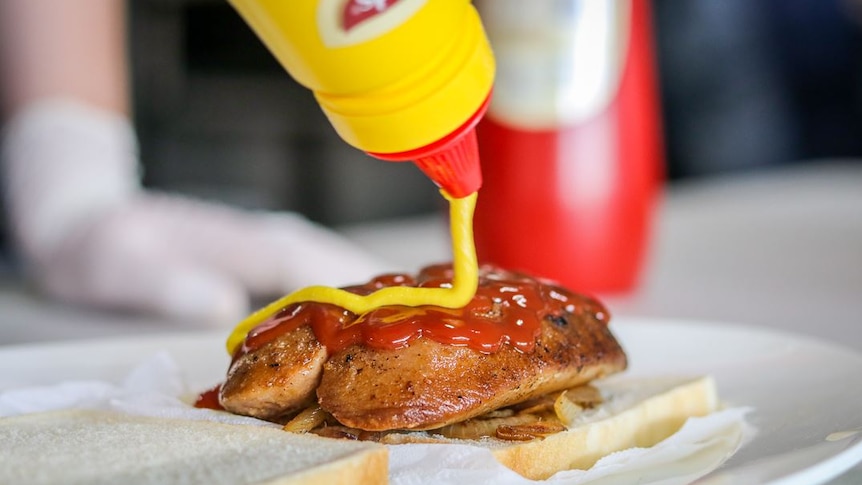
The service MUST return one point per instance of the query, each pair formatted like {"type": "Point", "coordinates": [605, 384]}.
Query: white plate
{"type": "Point", "coordinates": [806, 395]}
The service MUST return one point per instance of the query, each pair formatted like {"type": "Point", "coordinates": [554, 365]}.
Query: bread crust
{"type": "Point", "coordinates": [639, 413]}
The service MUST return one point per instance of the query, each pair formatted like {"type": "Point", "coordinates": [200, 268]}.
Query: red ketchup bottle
{"type": "Point", "coordinates": [570, 146]}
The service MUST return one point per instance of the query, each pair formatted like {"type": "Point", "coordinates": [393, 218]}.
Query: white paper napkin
{"type": "Point", "coordinates": [156, 388]}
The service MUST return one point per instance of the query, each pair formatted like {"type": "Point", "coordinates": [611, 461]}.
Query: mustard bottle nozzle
{"type": "Point", "coordinates": [452, 162]}
{"type": "Point", "coordinates": [455, 168]}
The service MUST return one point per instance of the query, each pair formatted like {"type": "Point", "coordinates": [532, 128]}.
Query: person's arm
{"type": "Point", "coordinates": [86, 231]}
{"type": "Point", "coordinates": [51, 49]}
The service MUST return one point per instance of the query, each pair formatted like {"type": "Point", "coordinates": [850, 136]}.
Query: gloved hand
{"type": "Point", "coordinates": [90, 234]}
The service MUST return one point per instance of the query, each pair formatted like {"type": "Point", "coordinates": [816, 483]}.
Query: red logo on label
{"type": "Point", "coordinates": [358, 11]}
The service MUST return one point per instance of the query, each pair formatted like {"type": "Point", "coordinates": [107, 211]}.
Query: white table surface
{"type": "Point", "coordinates": [781, 249]}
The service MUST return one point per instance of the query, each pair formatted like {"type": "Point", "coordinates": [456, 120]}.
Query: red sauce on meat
{"type": "Point", "coordinates": [507, 310]}
{"type": "Point", "coordinates": [209, 399]}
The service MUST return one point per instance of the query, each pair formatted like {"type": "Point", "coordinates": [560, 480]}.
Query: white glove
{"type": "Point", "coordinates": [89, 234]}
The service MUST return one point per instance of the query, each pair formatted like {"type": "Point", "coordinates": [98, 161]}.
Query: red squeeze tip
{"type": "Point", "coordinates": [455, 167]}
{"type": "Point", "coordinates": [452, 162]}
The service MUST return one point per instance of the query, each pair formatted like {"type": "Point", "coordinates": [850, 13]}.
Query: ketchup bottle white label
{"type": "Point", "coordinates": [559, 62]}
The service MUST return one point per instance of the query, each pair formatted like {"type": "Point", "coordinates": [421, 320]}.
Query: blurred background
{"type": "Point", "coordinates": [744, 86]}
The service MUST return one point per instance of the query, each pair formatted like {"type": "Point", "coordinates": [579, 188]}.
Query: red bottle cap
{"type": "Point", "coordinates": [452, 162]}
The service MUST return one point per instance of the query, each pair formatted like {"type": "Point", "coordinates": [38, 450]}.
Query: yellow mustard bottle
{"type": "Point", "coordinates": [398, 79]}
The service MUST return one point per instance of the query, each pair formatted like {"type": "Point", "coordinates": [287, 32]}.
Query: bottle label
{"type": "Point", "coordinates": [357, 11]}
{"type": "Point", "coordinates": [559, 62]}
{"type": "Point", "coordinates": [343, 23]}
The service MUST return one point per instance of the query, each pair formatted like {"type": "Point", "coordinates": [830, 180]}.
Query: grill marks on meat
{"type": "Point", "coordinates": [429, 385]}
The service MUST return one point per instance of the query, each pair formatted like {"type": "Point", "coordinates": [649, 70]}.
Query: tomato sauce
{"type": "Point", "coordinates": [209, 399]}
{"type": "Point", "coordinates": [508, 309]}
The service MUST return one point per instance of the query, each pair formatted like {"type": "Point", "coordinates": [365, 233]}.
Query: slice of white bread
{"type": "Point", "coordinates": [72, 447]}
{"type": "Point", "coordinates": [94, 447]}
{"type": "Point", "coordinates": [636, 412]}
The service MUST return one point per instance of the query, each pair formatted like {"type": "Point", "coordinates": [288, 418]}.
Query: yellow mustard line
{"type": "Point", "coordinates": [464, 284]}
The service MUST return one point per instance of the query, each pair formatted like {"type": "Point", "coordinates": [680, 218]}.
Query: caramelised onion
{"type": "Point", "coordinates": [480, 427]}
{"type": "Point", "coordinates": [308, 419]}
{"type": "Point", "coordinates": [566, 410]}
